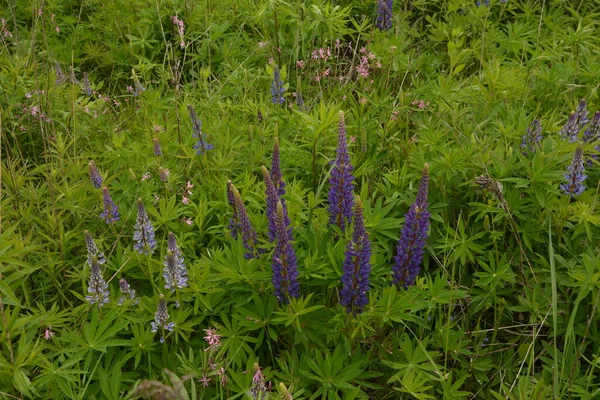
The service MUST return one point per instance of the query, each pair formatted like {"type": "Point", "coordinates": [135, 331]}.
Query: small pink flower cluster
{"type": "Point", "coordinates": [366, 59]}
{"type": "Point", "coordinates": [180, 28]}
{"type": "Point", "coordinates": [5, 32]}
{"type": "Point", "coordinates": [420, 103]}
{"type": "Point", "coordinates": [56, 28]}
{"type": "Point", "coordinates": [214, 368]}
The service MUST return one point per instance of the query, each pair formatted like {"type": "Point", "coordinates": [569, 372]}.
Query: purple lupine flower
{"type": "Point", "coordinates": [234, 224]}
{"type": "Point", "coordinates": [577, 120]}
{"type": "Point", "coordinates": [485, 3]}
{"type": "Point", "coordinates": [97, 288]}
{"type": "Point", "coordinates": [161, 317]}
{"type": "Point", "coordinates": [591, 135]}
{"type": "Point", "coordinates": [60, 75]}
{"type": "Point", "coordinates": [533, 136]}
{"type": "Point", "coordinates": [144, 231]}
{"type": "Point", "coordinates": [157, 149]}
{"type": "Point", "coordinates": [111, 211]}
{"type": "Point", "coordinates": [357, 267]}
{"type": "Point", "coordinates": [95, 176]}
{"type": "Point", "coordinates": [241, 223]}
{"type": "Point", "coordinates": [201, 145]}
{"type": "Point", "coordinates": [272, 198]}
{"type": "Point", "coordinates": [341, 198]}
{"type": "Point", "coordinates": [276, 175]}
{"type": "Point", "coordinates": [285, 264]}
{"type": "Point", "coordinates": [575, 176]}
{"type": "Point", "coordinates": [92, 249]}
{"type": "Point", "coordinates": [175, 271]}
{"type": "Point", "coordinates": [86, 85]}
{"type": "Point", "coordinates": [411, 245]}
{"type": "Point", "coordinates": [277, 88]}
{"type": "Point", "coordinates": [127, 293]}
{"type": "Point", "coordinates": [384, 14]}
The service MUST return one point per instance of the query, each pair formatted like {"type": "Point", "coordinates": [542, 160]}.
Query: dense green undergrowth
{"type": "Point", "coordinates": [506, 303]}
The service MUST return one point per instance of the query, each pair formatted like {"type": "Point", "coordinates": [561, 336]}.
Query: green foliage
{"type": "Point", "coordinates": [507, 303]}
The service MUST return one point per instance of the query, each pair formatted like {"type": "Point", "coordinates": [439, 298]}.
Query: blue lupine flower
{"type": "Point", "coordinates": [357, 266]}
{"type": "Point", "coordinates": [97, 288]}
{"type": "Point", "coordinates": [577, 120]}
{"type": "Point", "coordinates": [95, 176]}
{"type": "Point", "coordinates": [285, 264]}
{"type": "Point", "coordinates": [341, 197]}
{"type": "Point", "coordinates": [127, 293]}
{"type": "Point", "coordinates": [533, 136]}
{"type": "Point", "coordinates": [175, 271]}
{"type": "Point", "coordinates": [240, 223]}
{"type": "Point", "coordinates": [575, 176]}
{"type": "Point", "coordinates": [591, 135]}
{"type": "Point", "coordinates": [92, 249]}
{"type": "Point", "coordinates": [201, 146]}
{"type": "Point", "coordinates": [483, 3]}
{"type": "Point", "coordinates": [384, 14]}
{"type": "Point", "coordinates": [161, 317]}
{"type": "Point", "coordinates": [144, 231]}
{"type": "Point", "coordinates": [411, 245]}
{"type": "Point", "coordinates": [277, 88]}
{"type": "Point", "coordinates": [111, 211]}
{"type": "Point", "coordinates": [86, 85]}
{"type": "Point", "coordinates": [276, 175]}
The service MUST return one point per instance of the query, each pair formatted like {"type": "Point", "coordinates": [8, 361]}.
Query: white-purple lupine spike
{"type": "Point", "coordinates": [95, 176]}
{"type": "Point", "coordinates": [143, 235]}
{"type": "Point", "coordinates": [575, 176]}
{"type": "Point", "coordinates": [92, 249]}
{"type": "Point", "coordinates": [111, 211]}
{"type": "Point", "coordinates": [97, 287]}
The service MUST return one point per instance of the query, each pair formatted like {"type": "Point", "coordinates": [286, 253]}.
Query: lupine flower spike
{"type": "Point", "coordinates": [285, 264]}
{"type": "Point", "coordinates": [411, 245]}
{"type": "Point", "coordinates": [357, 267]}
{"type": "Point", "coordinates": [240, 222]}
{"type": "Point", "coordinates": [92, 249]}
{"type": "Point", "coordinates": [175, 271]}
{"type": "Point", "coordinates": [138, 88]}
{"type": "Point", "coordinates": [533, 136]}
{"type": "Point", "coordinates": [575, 176]}
{"type": "Point", "coordinates": [144, 231]}
{"type": "Point", "coordinates": [86, 85]}
{"type": "Point", "coordinates": [277, 88]}
{"type": "Point", "coordinates": [276, 174]}
{"type": "Point", "coordinates": [111, 211]}
{"type": "Point", "coordinates": [258, 390]}
{"type": "Point", "coordinates": [201, 145]}
{"type": "Point", "coordinates": [591, 135]}
{"type": "Point", "coordinates": [272, 199]}
{"type": "Point", "coordinates": [157, 149]}
{"type": "Point", "coordinates": [384, 14]}
{"type": "Point", "coordinates": [95, 176]}
{"type": "Point", "coordinates": [161, 317]}
{"type": "Point", "coordinates": [127, 293]}
{"type": "Point", "coordinates": [97, 288]}
{"type": "Point", "coordinates": [577, 120]}
{"type": "Point", "coordinates": [341, 198]}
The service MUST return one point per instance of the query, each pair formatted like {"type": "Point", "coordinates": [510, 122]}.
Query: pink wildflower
{"type": "Point", "coordinates": [185, 200]}
{"type": "Point", "coordinates": [146, 176]}
{"type": "Point", "coordinates": [48, 333]}
{"type": "Point", "coordinates": [205, 380]}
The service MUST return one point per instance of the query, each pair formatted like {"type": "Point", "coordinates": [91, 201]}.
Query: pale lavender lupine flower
{"type": "Point", "coordinates": [157, 149]}
{"type": "Point", "coordinates": [127, 293]}
{"type": "Point", "coordinates": [144, 231]}
{"type": "Point", "coordinates": [97, 287]}
{"type": "Point", "coordinates": [160, 319]}
{"type": "Point", "coordinates": [92, 249]}
{"type": "Point", "coordinates": [201, 146]}
{"type": "Point", "coordinates": [575, 176]}
{"type": "Point", "coordinates": [95, 176]}
{"type": "Point", "coordinates": [111, 211]}
{"type": "Point", "coordinates": [175, 271]}
{"type": "Point", "coordinates": [277, 87]}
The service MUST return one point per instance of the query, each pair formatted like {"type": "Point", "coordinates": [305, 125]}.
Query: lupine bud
{"type": "Point", "coordinates": [277, 88]}
{"type": "Point", "coordinates": [157, 149]}
{"type": "Point", "coordinates": [139, 89]}
{"type": "Point", "coordinates": [276, 175]}
{"type": "Point", "coordinates": [357, 267]}
{"type": "Point", "coordinates": [285, 264]}
{"type": "Point", "coordinates": [144, 231]}
{"type": "Point", "coordinates": [272, 198]}
{"type": "Point", "coordinates": [111, 211]}
{"type": "Point", "coordinates": [411, 245]}
{"type": "Point", "coordinates": [97, 288]}
{"type": "Point", "coordinates": [341, 198]}
{"type": "Point", "coordinates": [163, 174]}
{"type": "Point", "coordinates": [201, 145]}
{"type": "Point", "coordinates": [95, 176]}
{"type": "Point", "coordinates": [575, 176]}
{"type": "Point", "coordinates": [240, 223]}
{"type": "Point", "coordinates": [86, 85]}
